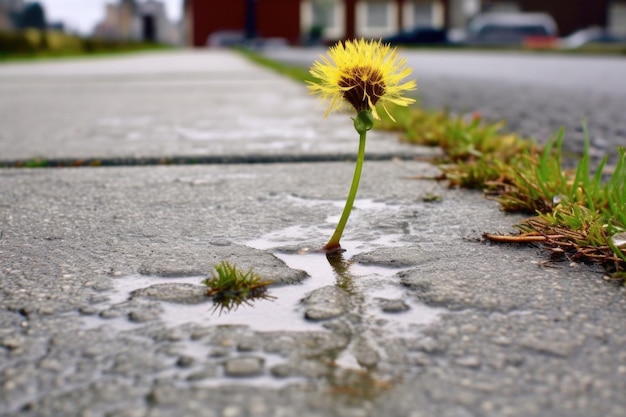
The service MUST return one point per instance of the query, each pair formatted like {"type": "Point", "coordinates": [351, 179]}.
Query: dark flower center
{"type": "Point", "coordinates": [362, 83]}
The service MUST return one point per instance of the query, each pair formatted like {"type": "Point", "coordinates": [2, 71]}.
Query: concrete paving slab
{"type": "Point", "coordinates": [209, 106]}
{"type": "Point", "coordinates": [488, 331]}
{"type": "Point", "coordinates": [102, 311]}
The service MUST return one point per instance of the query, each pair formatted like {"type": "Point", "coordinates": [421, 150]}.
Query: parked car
{"type": "Point", "coordinates": [226, 38]}
{"type": "Point", "coordinates": [419, 35]}
{"type": "Point", "coordinates": [591, 36]}
{"type": "Point", "coordinates": [509, 28]}
{"type": "Point", "coordinates": [233, 38]}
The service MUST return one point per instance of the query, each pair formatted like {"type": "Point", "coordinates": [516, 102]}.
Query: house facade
{"type": "Point", "coordinates": [570, 15]}
{"type": "Point", "coordinates": [299, 20]}
{"type": "Point", "coordinates": [295, 20]}
{"type": "Point", "coordinates": [138, 21]}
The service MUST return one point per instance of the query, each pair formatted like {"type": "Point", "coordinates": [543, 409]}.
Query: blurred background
{"type": "Point", "coordinates": [86, 25]}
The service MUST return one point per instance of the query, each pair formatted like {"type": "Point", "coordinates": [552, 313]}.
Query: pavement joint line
{"type": "Point", "coordinates": [197, 160]}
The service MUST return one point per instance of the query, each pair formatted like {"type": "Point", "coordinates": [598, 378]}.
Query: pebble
{"type": "Point", "coordinates": [206, 373]}
{"type": "Point", "coordinates": [326, 303]}
{"type": "Point", "coordinates": [393, 306]}
{"type": "Point", "coordinates": [142, 316]}
{"type": "Point", "coordinates": [12, 342]}
{"type": "Point", "coordinates": [110, 314]}
{"type": "Point", "coordinates": [244, 366]}
{"type": "Point", "coordinates": [468, 362]}
{"type": "Point", "coordinates": [185, 361]}
{"type": "Point", "coordinates": [174, 293]}
{"type": "Point", "coordinates": [282, 370]}
{"type": "Point", "coordinates": [88, 311]}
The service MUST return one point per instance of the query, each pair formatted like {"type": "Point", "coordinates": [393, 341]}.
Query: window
{"type": "Point", "coordinates": [325, 16]}
{"type": "Point", "coordinates": [461, 11]}
{"type": "Point", "coordinates": [617, 17]}
{"type": "Point", "coordinates": [423, 13]}
{"type": "Point", "coordinates": [377, 14]}
{"type": "Point", "coordinates": [376, 18]}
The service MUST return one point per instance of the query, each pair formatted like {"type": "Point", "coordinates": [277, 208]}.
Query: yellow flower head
{"type": "Point", "coordinates": [362, 73]}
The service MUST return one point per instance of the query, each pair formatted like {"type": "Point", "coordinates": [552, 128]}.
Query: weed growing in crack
{"type": "Point", "coordinates": [230, 287]}
{"type": "Point", "coordinates": [577, 214]}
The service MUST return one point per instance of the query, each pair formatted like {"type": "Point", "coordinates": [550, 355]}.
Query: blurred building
{"type": "Point", "coordinates": [145, 21]}
{"type": "Point", "coordinates": [299, 20]}
{"type": "Point", "coordinates": [570, 15]}
{"type": "Point", "coordinates": [5, 19]}
{"type": "Point", "coordinates": [9, 13]}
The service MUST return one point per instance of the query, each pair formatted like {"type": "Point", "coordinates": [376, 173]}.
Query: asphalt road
{"type": "Point", "coordinates": [536, 94]}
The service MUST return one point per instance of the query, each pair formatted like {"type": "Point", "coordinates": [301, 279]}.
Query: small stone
{"type": "Point", "coordinates": [248, 345]}
{"type": "Point", "coordinates": [219, 352]}
{"type": "Point", "coordinates": [366, 356]}
{"type": "Point", "coordinates": [206, 373]}
{"type": "Point", "coordinates": [282, 344]}
{"type": "Point", "coordinates": [185, 361]}
{"type": "Point", "coordinates": [428, 345]}
{"type": "Point", "coordinates": [468, 329]}
{"type": "Point", "coordinates": [282, 370]}
{"type": "Point", "coordinates": [110, 314]}
{"type": "Point", "coordinates": [142, 316]}
{"type": "Point", "coordinates": [88, 311]}
{"type": "Point", "coordinates": [244, 366]}
{"type": "Point", "coordinates": [393, 306]}
{"type": "Point", "coordinates": [232, 411]}
{"type": "Point", "coordinates": [12, 342]}
{"type": "Point", "coordinates": [326, 303]}
{"type": "Point", "coordinates": [201, 333]}
{"type": "Point", "coordinates": [468, 362]}
{"type": "Point", "coordinates": [46, 311]}
{"type": "Point", "coordinates": [105, 285]}
{"type": "Point", "coordinates": [174, 293]}
{"type": "Point", "coordinates": [50, 365]}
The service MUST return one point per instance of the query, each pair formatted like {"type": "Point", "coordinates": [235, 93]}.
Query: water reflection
{"type": "Point", "coordinates": [341, 268]}
{"type": "Point", "coordinates": [357, 385]}
{"type": "Point", "coordinates": [349, 379]}
{"type": "Point", "coordinates": [231, 301]}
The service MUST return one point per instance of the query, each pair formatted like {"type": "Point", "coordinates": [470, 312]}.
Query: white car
{"type": "Point", "coordinates": [592, 35]}
{"type": "Point", "coordinates": [508, 28]}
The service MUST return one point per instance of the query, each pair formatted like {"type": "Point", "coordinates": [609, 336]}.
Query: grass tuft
{"type": "Point", "coordinates": [230, 287]}
{"type": "Point", "coordinates": [577, 215]}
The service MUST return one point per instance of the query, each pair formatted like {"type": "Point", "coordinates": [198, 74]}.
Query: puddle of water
{"type": "Point", "coordinates": [280, 313]}
{"type": "Point", "coordinates": [359, 204]}
{"type": "Point", "coordinates": [368, 285]}
{"type": "Point", "coordinates": [284, 311]}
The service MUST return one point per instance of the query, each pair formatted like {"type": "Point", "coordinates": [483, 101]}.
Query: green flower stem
{"type": "Point", "coordinates": [363, 122]}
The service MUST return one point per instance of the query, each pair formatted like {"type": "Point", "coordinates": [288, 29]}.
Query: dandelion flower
{"type": "Point", "coordinates": [363, 74]}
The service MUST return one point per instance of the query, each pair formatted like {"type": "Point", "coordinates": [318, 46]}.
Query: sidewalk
{"type": "Point", "coordinates": [101, 312]}
{"type": "Point", "coordinates": [211, 105]}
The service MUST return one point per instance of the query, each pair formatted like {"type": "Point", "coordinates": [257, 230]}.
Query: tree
{"type": "Point", "coordinates": [33, 16]}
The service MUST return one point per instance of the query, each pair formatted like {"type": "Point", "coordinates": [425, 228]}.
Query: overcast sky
{"type": "Point", "coordinates": [82, 15]}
